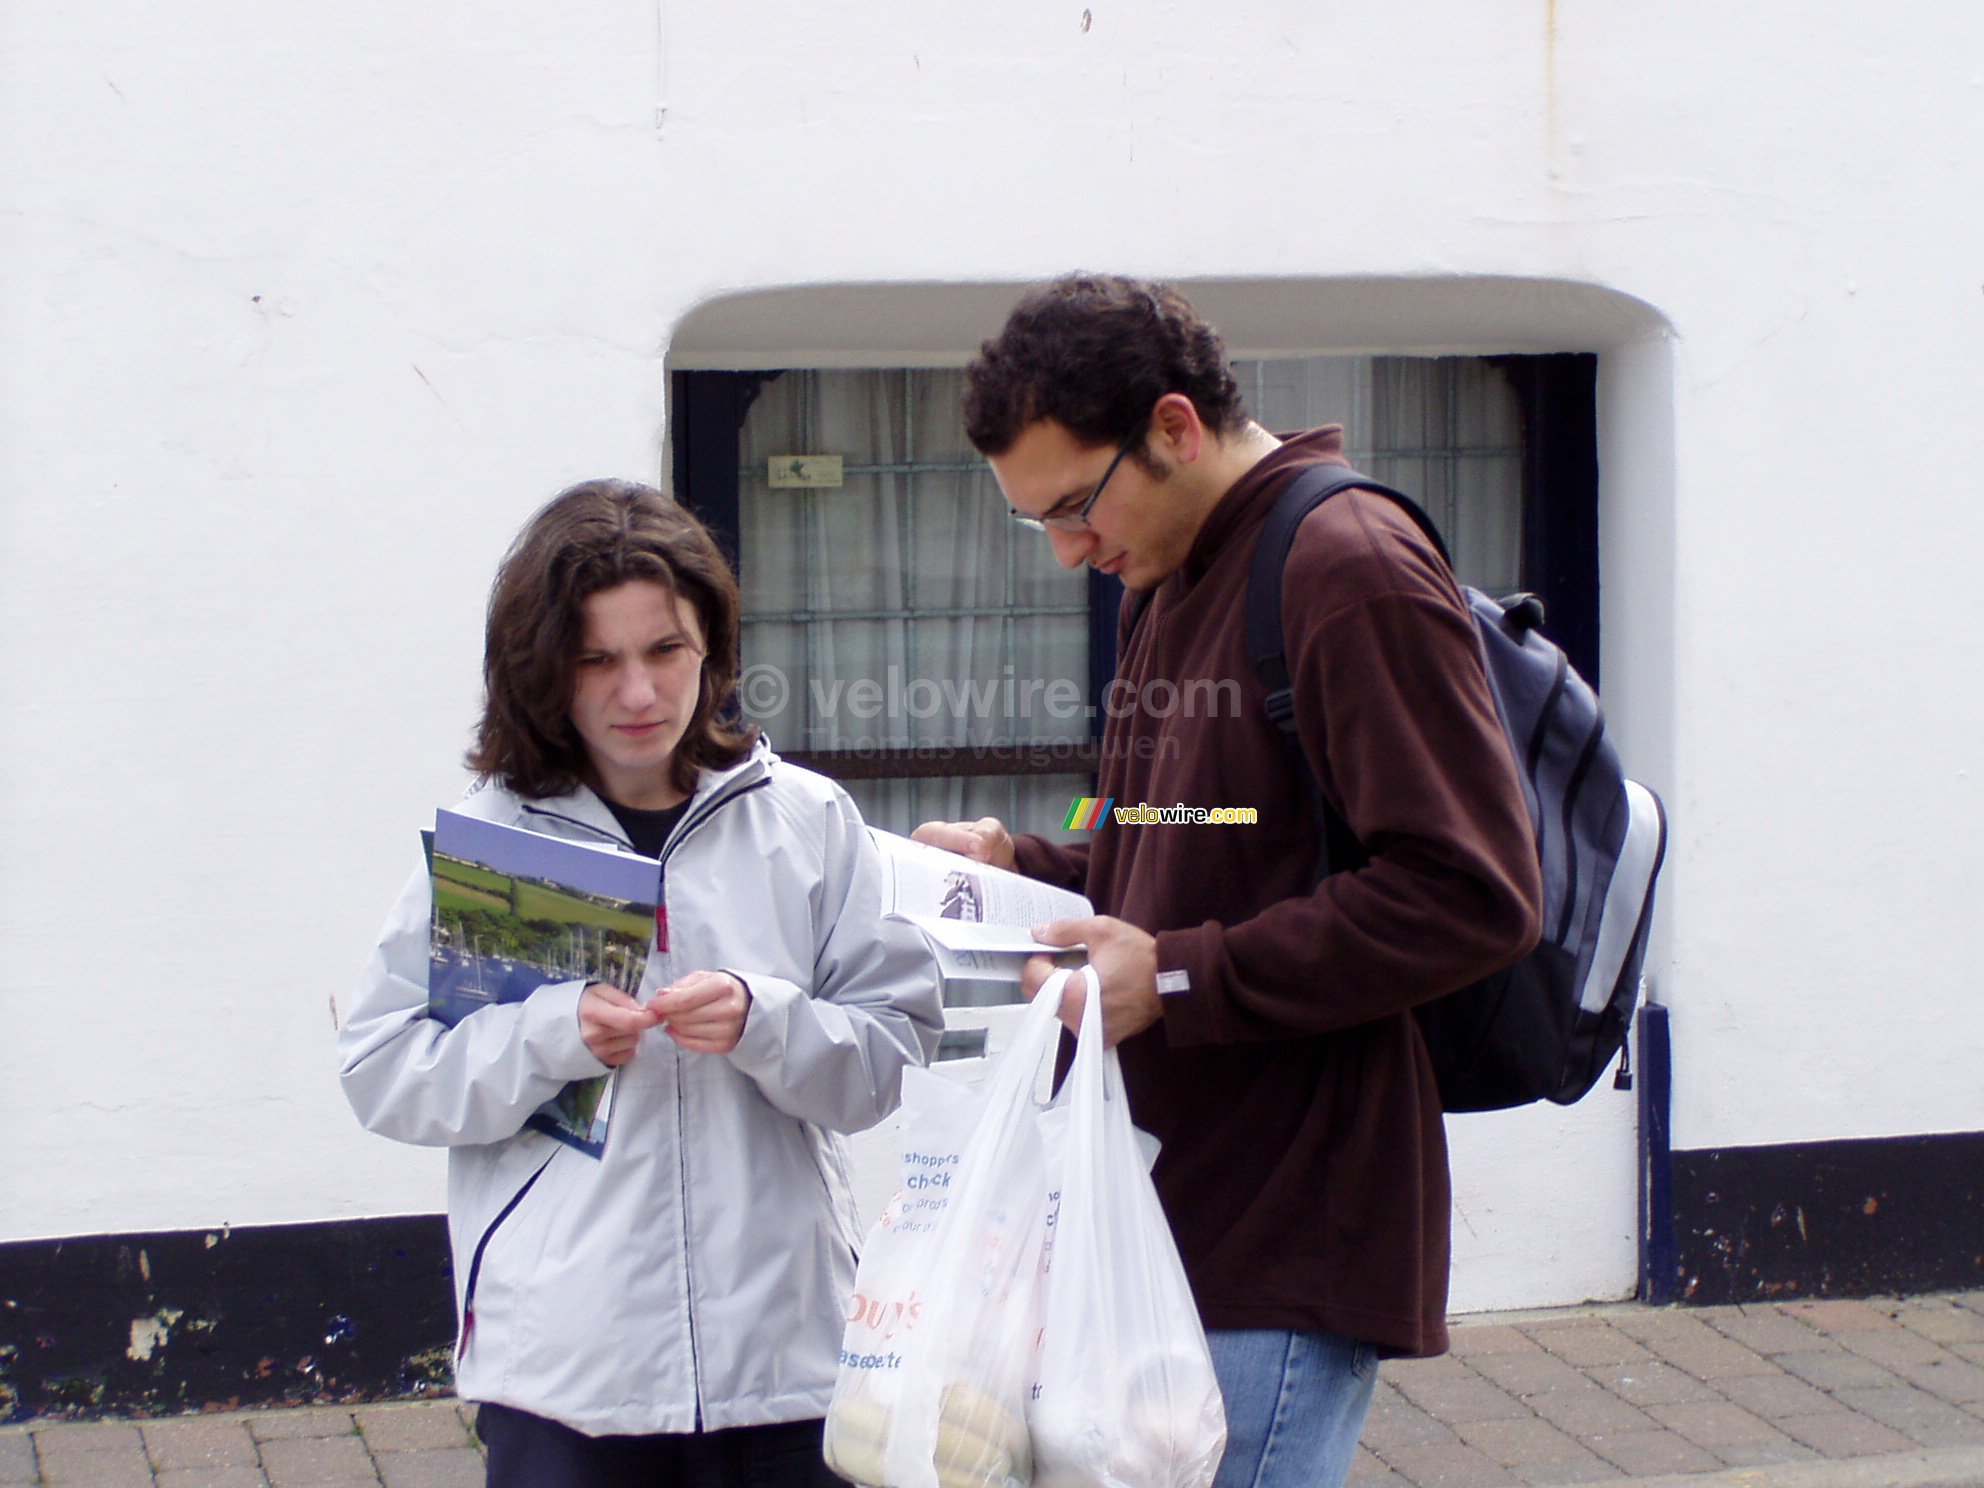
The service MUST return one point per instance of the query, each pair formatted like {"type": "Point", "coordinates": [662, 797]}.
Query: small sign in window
{"type": "Point", "coordinates": [792, 472]}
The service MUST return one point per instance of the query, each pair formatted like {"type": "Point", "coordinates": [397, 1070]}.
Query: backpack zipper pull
{"type": "Point", "coordinates": [1623, 1080]}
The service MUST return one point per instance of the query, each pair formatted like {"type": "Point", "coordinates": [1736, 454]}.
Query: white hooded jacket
{"type": "Point", "coordinates": [694, 1275]}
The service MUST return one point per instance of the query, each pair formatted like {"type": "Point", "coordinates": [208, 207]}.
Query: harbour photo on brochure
{"type": "Point", "coordinates": [517, 910]}
{"type": "Point", "coordinates": [497, 938]}
{"type": "Point", "coordinates": [511, 916]}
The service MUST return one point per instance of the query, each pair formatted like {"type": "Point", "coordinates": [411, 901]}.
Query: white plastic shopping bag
{"type": "Point", "coordinates": [1126, 1395]}
{"type": "Point", "coordinates": [943, 1329]}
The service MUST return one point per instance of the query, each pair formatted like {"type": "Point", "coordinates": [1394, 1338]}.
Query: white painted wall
{"type": "Point", "coordinates": [244, 541]}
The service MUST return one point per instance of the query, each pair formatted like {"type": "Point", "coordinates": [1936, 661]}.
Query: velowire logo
{"type": "Point", "coordinates": [1087, 813]}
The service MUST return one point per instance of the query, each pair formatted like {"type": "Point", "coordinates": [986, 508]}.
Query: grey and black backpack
{"type": "Point", "coordinates": [1546, 1027]}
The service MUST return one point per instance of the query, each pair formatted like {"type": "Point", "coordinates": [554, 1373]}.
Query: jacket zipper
{"type": "Point", "coordinates": [475, 1262]}
{"type": "Point", "coordinates": [682, 829]}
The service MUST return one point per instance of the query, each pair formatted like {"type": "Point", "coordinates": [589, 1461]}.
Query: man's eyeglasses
{"type": "Point", "coordinates": [1077, 520]}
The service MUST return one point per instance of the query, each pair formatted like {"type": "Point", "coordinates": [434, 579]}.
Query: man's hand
{"type": "Point", "coordinates": [611, 1023]}
{"type": "Point", "coordinates": [704, 1011]}
{"type": "Point", "coordinates": [1125, 961]}
{"type": "Point", "coordinates": [983, 841]}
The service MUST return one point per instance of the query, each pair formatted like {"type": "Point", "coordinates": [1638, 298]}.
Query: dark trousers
{"type": "Point", "coordinates": [527, 1451]}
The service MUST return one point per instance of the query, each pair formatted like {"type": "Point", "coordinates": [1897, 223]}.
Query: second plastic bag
{"type": "Point", "coordinates": [1126, 1395]}
{"type": "Point", "coordinates": [937, 1358]}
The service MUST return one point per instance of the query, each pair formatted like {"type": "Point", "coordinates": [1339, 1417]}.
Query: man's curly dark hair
{"type": "Point", "coordinates": [1095, 353]}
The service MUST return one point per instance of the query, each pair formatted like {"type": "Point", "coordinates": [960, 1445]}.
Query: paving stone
{"type": "Point", "coordinates": [1955, 1380]}
{"type": "Point", "coordinates": [1649, 1382]}
{"type": "Point", "coordinates": [99, 1454]}
{"type": "Point", "coordinates": [103, 1470]}
{"type": "Point", "coordinates": [1585, 1344]}
{"type": "Point", "coordinates": [212, 1477]}
{"type": "Point", "coordinates": [1764, 1454]}
{"type": "Point", "coordinates": [1444, 1367]}
{"type": "Point", "coordinates": [1895, 1348]}
{"type": "Point", "coordinates": [16, 1457]}
{"type": "Point", "coordinates": [199, 1442]}
{"type": "Point", "coordinates": [1844, 1434]}
{"type": "Point", "coordinates": [1916, 1413]}
{"type": "Point", "coordinates": [1448, 1467]}
{"type": "Point", "coordinates": [289, 1424]}
{"type": "Point", "coordinates": [455, 1467]}
{"type": "Point", "coordinates": [1840, 1316]}
{"type": "Point", "coordinates": [306, 1462]}
{"type": "Point", "coordinates": [1840, 1371]}
{"type": "Point", "coordinates": [1366, 1471]}
{"type": "Point", "coordinates": [411, 1427]}
{"type": "Point", "coordinates": [1717, 1315]}
{"type": "Point", "coordinates": [1460, 1400]}
{"type": "Point", "coordinates": [66, 1438]}
{"type": "Point", "coordinates": [1589, 1412]}
{"type": "Point", "coordinates": [1586, 1467]}
{"type": "Point", "coordinates": [1710, 1356]}
{"type": "Point", "coordinates": [1653, 1454]}
{"type": "Point", "coordinates": [1974, 1352]}
{"type": "Point", "coordinates": [1394, 1421]}
{"type": "Point", "coordinates": [1660, 1322]}
{"type": "Point", "coordinates": [1941, 1322]}
{"type": "Point", "coordinates": [1490, 1338]}
{"type": "Point", "coordinates": [1528, 1374]}
{"type": "Point", "coordinates": [1714, 1423]}
{"type": "Point", "coordinates": [1765, 1330]}
{"type": "Point", "coordinates": [1773, 1395]}
{"type": "Point", "coordinates": [1522, 1442]}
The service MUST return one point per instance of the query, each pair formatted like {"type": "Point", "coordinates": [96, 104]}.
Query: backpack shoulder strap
{"type": "Point", "coordinates": [1267, 648]}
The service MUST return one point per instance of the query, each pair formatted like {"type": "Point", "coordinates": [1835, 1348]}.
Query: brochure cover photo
{"type": "Point", "coordinates": [517, 910]}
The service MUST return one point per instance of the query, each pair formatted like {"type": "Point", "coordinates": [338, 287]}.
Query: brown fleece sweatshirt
{"type": "Point", "coordinates": [1304, 1164]}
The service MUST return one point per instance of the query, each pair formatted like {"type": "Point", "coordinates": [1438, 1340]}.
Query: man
{"type": "Point", "coordinates": [1264, 1018]}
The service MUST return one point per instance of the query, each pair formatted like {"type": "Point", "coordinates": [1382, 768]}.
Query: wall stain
{"type": "Point", "coordinates": [1829, 1219]}
{"type": "Point", "coordinates": [153, 1324]}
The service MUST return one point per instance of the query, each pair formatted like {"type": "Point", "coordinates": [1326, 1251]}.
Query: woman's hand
{"type": "Point", "coordinates": [704, 1011]}
{"type": "Point", "coordinates": [611, 1023]}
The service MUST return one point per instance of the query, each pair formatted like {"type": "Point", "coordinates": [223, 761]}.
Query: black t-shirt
{"type": "Point", "coordinates": [647, 830]}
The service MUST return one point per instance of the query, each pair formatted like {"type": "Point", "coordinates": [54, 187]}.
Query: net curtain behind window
{"type": "Point", "coordinates": [903, 608]}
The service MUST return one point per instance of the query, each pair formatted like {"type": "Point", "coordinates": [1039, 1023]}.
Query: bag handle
{"type": "Point", "coordinates": [1037, 1038]}
{"type": "Point", "coordinates": [1096, 1071]}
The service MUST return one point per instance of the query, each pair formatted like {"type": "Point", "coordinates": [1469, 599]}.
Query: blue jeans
{"type": "Point", "coordinates": [1295, 1403]}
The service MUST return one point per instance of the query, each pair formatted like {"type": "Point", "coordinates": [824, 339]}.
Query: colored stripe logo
{"type": "Point", "coordinates": [1087, 813]}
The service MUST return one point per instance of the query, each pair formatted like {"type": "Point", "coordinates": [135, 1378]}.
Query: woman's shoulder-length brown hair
{"type": "Point", "coordinates": [593, 537]}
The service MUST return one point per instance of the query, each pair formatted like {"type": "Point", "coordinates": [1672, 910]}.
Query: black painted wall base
{"type": "Point", "coordinates": [1829, 1219]}
{"type": "Point", "coordinates": [178, 1320]}
{"type": "Point", "coordinates": [361, 1309]}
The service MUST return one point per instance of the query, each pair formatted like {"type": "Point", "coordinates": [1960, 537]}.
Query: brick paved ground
{"type": "Point", "coordinates": [415, 1444]}
{"type": "Point", "coordinates": [1623, 1391]}
{"type": "Point", "coordinates": [1569, 1396]}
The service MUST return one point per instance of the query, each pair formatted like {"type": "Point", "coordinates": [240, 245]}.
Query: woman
{"type": "Point", "coordinates": [669, 1312]}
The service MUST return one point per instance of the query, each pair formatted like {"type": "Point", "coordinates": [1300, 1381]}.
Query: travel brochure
{"type": "Point", "coordinates": [516, 910]}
